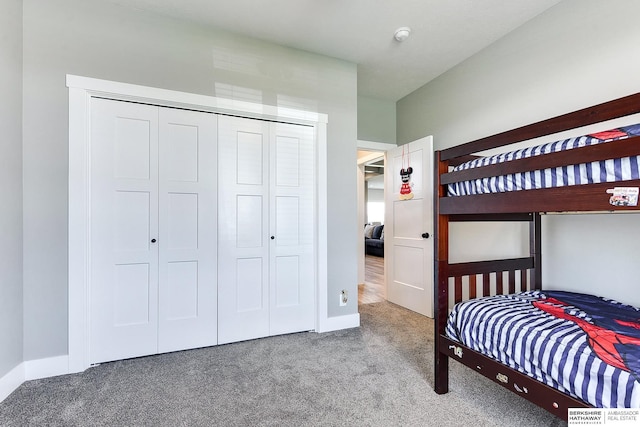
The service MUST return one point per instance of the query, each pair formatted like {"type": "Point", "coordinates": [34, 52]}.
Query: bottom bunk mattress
{"type": "Point", "coordinates": [582, 345]}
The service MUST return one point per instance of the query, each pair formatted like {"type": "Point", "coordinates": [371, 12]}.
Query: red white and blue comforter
{"type": "Point", "coordinates": [586, 173]}
{"type": "Point", "coordinates": [583, 345]}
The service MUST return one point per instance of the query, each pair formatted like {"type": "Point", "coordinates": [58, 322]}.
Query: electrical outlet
{"type": "Point", "coordinates": [344, 296]}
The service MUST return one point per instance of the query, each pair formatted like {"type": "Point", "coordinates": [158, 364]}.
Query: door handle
{"type": "Point", "coordinates": [425, 235]}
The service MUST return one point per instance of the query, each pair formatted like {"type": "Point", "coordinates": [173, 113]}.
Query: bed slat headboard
{"type": "Point", "coordinates": [487, 284]}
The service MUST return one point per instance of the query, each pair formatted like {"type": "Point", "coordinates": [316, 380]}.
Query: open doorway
{"type": "Point", "coordinates": [371, 274]}
{"type": "Point", "coordinates": [404, 273]}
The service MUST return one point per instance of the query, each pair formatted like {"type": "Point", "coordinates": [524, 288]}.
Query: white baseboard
{"type": "Point", "coordinates": [32, 370]}
{"type": "Point", "coordinates": [11, 381]}
{"type": "Point", "coordinates": [44, 368]}
{"type": "Point", "coordinates": [339, 322]}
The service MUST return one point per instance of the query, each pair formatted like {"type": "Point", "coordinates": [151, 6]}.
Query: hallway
{"type": "Point", "coordinates": [373, 289]}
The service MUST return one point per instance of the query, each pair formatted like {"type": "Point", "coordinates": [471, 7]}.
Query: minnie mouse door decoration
{"type": "Point", "coordinates": [405, 175]}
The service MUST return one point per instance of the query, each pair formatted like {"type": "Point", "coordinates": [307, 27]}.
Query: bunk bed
{"type": "Point", "coordinates": [474, 187]}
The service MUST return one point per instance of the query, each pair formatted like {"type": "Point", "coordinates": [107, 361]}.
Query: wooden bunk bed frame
{"type": "Point", "coordinates": [524, 205]}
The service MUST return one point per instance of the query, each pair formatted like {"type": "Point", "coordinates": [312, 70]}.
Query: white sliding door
{"type": "Point", "coordinates": [153, 230]}
{"type": "Point", "coordinates": [265, 229]}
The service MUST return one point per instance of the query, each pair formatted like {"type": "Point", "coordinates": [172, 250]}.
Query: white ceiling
{"type": "Point", "coordinates": [444, 32]}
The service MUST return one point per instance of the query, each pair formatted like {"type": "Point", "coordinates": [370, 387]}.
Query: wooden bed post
{"type": "Point", "coordinates": [535, 251]}
{"type": "Point", "coordinates": [441, 267]}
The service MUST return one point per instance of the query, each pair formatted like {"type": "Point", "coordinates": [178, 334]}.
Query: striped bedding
{"type": "Point", "coordinates": [587, 173]}
{"type": "Point", "coordinates": [582, 345]}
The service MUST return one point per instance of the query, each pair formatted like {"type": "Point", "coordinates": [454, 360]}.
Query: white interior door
{"type": "Point", "coordinates": [266, 229]}
{"type": "Point", "coordinates": [153, 230]}
{"type": "Point", "coordinates": [124, 230]}
{"type": "Point", "coordinates": [188, 228]}
{"type": "Point", "coordinates": [408, 216]}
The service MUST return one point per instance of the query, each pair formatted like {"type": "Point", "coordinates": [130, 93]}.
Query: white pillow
{"type": "Point", "coordinates": [368, 230]}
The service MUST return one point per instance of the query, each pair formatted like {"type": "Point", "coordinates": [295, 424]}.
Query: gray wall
{"type": "Point", "coordinates": [578, 53]}
{"type": "Point", "coordinates": [10, 185]}
{"type": "Point", "coordinates": [97, 39]}
{"type": "Point", "coordinates": [376, 120]}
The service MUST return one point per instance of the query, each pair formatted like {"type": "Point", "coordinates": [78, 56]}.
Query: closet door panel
{"type": "Point", "coordinates": [132, 143]}
{"type": "Point", "coordinates": [250, 288]}
{"type": "Point", "coordinates": [187, 240]}
{"type": "Point", "coordinates": [132, 214]}
{"type": "Point", "coordinates": [292, 196]}
{"type": "Point", "coordinates": [182, 220]}
{"type": "Point", "coordinates": [182, 290]}
{"type": "Point", "coordinates": [124, 219]}
{"type": "Point", "coordinates": [131, 293]}
{"type": "Point", "coordinates": [250, 150]}
{"type": "Point", "coordinates": [182, 144]}
{"type": "Point", "coordinates": [287, 282]}
{"type": "Point", "coordinates": [287, 220]}
{"type": "Point", "coordinates": [243, 224]}
{"type": "Point", "coordinates": [249, 222]}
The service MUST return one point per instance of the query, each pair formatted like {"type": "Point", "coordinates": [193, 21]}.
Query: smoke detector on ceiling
{"type": "Point", "coordinates": [402, 34]}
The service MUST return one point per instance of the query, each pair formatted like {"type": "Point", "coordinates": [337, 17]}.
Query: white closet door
{"type": "Point", "coordinates": [266, 229]}
{"type": "Point", "coordinates": [243, 229]}
{"type": "Point", "coordinates": [153, 230]}
{"type": "Point", "coordinates": [187, 239]}
{"type": "Point", "coordinates": [124, 222]}
{"type": "Point", "coordinates": [292, 224]}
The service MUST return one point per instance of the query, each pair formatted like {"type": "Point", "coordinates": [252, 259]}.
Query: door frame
{"type": "Point", "coordinates": [81, 90]}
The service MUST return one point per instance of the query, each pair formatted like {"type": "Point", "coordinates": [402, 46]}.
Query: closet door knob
{"type": "Point", "coordinates": [425, 235]}
{"type": "Point", "coordinates": [153, 240]}
{"type": "Point", "coordinates": [273, 237]}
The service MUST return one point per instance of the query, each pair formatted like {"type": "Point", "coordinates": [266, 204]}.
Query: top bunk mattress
{"type": "Point", "coordinates": [612, 170]}
{"type": "Point", "coordinates": [582, 345]}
